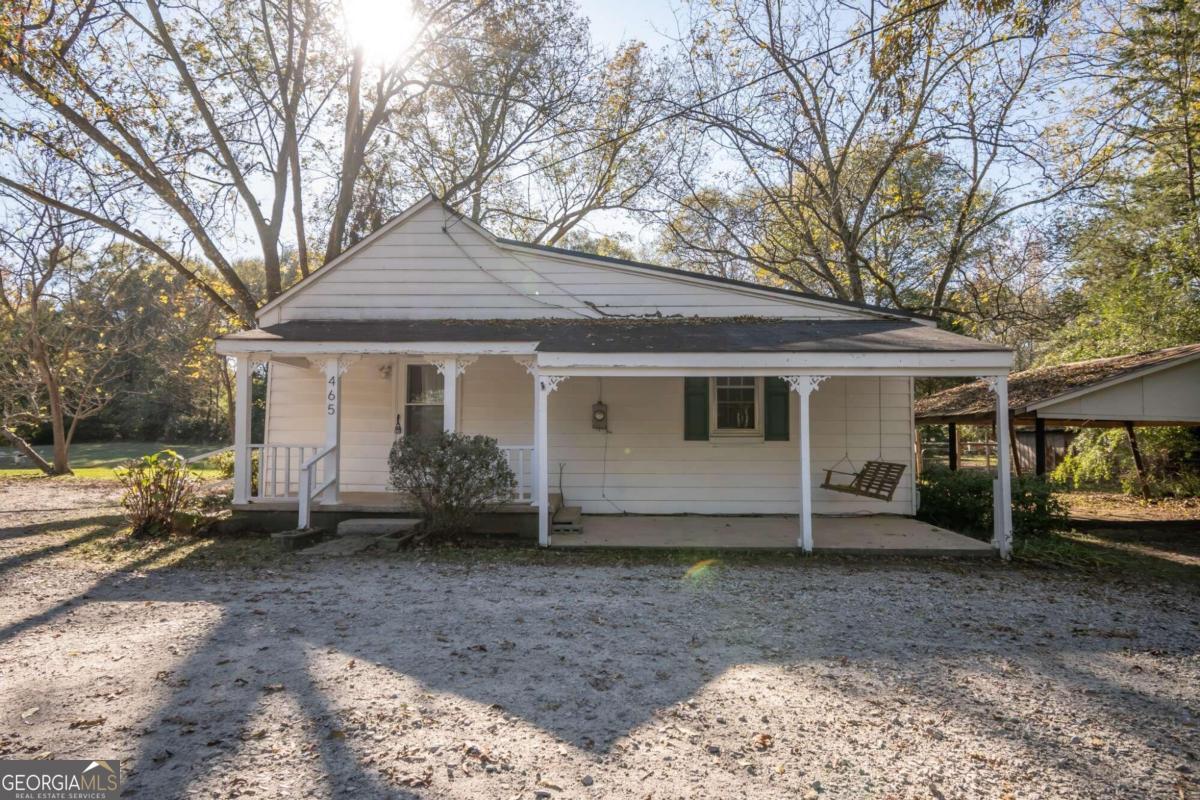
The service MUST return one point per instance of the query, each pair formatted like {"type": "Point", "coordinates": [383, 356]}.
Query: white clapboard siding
{"type": "Point", "coordinates": [418, 271]}
{"type": "Point", "coordinates": [368, 418]}
{"type": "Point", "coordinates": [643, 465]}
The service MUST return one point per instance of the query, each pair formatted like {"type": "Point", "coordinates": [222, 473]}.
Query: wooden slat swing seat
{"type": "Point", "coordinates": [877, 480]}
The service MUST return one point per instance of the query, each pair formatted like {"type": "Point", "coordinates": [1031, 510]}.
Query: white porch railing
{"type": "Point", "coordinates": [278, 468]}
{"type": "Point", "coordinates": [311, 486]}
{"type": "Point", "coordinates": [202, 457]}
{"type": "Point", "coordinates": [520, 461]}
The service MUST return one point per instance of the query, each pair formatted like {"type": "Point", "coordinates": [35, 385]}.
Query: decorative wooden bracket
{"type": "Point", "coordinates": [441, 363]}
{"type": "Point", "coordinates": [804, 384]}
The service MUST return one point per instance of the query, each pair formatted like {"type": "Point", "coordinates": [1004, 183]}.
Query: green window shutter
{"type": "Point", "coordinates": [776, 409]}
{"type": "Point", "coordinates": [695, 409]}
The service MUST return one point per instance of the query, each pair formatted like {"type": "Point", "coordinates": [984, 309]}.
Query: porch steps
{"type": "Point", "coordinates": [376, 527]}
{"type": "Point", "coordinates": [568, 519]}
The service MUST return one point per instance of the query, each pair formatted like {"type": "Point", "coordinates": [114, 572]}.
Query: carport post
{"type": "Point", "coordinates": [1002, 487]}
{"type": "Point", "coordinates": [1039, 445]}
{"type": "Point", "coordinates": [952, 444]}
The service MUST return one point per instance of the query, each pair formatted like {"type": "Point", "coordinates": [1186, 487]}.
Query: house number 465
{"type": "Point", "coordinates": [331, 407]}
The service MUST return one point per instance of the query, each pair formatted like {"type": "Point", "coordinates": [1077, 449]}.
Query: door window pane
{"type": "Point", "coordinates": [423, 410]}
{"type": "Point", "coordinates": [425, 384]}
{"type": "Point", "coordinates": [424, 420]}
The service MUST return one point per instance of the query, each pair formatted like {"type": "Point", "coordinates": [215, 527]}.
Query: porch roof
{"type": "Point", "coordinates": [649, 335]}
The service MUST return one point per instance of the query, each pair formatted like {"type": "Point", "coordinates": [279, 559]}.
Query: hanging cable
{"type": "Point", "coordinates": [516, 291]}
{"type": "Point", "coordinates": [739, 87]}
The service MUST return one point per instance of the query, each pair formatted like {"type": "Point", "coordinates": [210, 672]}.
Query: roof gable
{"type": "Point", "coordinates": [431, 263]}
{"type": "Point", "coordinates": [1042, 387]}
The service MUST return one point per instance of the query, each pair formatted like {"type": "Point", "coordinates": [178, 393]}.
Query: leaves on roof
{"type": "Point", "coordinates": [1043, 383]}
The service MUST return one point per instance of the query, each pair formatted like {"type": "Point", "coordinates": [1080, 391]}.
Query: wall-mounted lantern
{"type": "Point", "coordinates": [600, 416]}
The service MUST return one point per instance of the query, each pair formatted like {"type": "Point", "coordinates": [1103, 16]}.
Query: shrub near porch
{"type": "Point", "coordinates": [452, 476]}
{"type": "Point", "coordinates": [961, 500]}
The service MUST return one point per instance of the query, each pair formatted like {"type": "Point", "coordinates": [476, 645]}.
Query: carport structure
{"type": "Point", "coordinates": [1158, 387]}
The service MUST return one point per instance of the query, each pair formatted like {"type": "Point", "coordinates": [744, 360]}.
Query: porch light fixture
{"type": "Point", "coordinates": [600, 416]}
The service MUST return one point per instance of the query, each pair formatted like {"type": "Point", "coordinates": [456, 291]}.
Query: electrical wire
{"type": "Point", "coordinates": [739, 87]}
{"type": "Point", "coordinates": [515, 290]}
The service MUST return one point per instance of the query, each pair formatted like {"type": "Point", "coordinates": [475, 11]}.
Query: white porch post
{"type": "Point", "coordinates": [333, 425]}
{"type": "Point", "coordinates": [535, 472]}
{"type": "Point", "coordinates": [449, 370]}
{"type": "Point", "coordinates": [803, 386]}
{"type": "Point", "coordinates": [242, 407]}
{"type": "Point", "coordinates": [530, 365]}
{"type": "Point", "coordinates": [545, 385]}
{"type": "Point", "coordinates": [1002, 526]}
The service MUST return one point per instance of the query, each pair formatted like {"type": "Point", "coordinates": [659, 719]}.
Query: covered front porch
{"type": "Point", "coordinates": [636, 472]}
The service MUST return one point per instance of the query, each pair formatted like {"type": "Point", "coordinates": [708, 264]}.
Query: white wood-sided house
{"type": "Point", "coordinates": [615, 387]}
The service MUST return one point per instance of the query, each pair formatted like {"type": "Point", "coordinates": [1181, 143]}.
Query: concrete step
{"type": "Point", "coordinates": [568, 519]}
{"type": "Point", "coordinates": [376, 527]}
{"type": "Point", "coordinates": [347, 546]}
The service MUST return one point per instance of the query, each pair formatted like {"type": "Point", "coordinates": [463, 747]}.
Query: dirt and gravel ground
{"type": "Point", "coordinates": [402, 677]}
{"type": "Point", "coordinates": [1114, 507]}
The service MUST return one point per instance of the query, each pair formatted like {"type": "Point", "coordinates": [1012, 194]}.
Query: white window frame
{"type": "Point", "coordinates": [715, 432]}
{"type": "Point", "coordinates": [400, 389]}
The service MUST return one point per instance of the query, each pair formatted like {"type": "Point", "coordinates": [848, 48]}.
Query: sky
{"type": "Point", "coordinates": [614, 21]}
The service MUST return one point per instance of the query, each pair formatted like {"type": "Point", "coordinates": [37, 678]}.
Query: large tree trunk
{"type": "Point", "coordinates": [351, 160]}
{"type": "Point", "coordinates": [24, 447]}
{"type": "Point", "coordinates": [58, 427]}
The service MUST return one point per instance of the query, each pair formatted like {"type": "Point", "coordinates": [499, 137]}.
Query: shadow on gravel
{"type": "Point", "coordinates": [100, 527]}
{"type": "Point", "coordinates": [577, 653]}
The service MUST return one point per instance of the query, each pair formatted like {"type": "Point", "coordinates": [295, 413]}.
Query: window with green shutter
{"type": "Point", "coordinates": [776, 409]}
{"type": "Point", "coordinates": [695, 409]}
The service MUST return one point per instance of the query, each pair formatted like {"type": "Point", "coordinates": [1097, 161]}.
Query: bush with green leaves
{"type": "Point", "coordinates": [224, 463]}
{"type": "Point", "coordinates": [961, 500]}
{"type": "Point", "coordinates": [157, 487]}
{"type": "Point", "coordinates": [1101, 458]}
{"type": "Point", "coordinates": [451, 476]}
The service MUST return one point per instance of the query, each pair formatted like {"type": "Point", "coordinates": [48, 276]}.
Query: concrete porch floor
{"type": "Point", "coordinates": [864, 534]}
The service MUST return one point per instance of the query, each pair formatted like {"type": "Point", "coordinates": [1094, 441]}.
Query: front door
{"type": "Point", "coordinates": [422, 390]}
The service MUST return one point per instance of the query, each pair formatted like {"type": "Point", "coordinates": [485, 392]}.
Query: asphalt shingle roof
{"type": "Point", "coordinates": [635, 335]}
{"type": "Point", "coordinates": [1034, 386]}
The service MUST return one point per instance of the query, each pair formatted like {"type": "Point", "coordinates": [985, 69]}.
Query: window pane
{"type": "Point", "coordinates": [735, 403]}
{"type": "Point", "coordinates": [424, 384]}
{"type": "Point", "coordinates": [423, 420]}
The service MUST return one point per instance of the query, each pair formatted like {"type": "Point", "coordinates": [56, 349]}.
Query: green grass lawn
{"type": "Point", "coordinates": [99, 459]}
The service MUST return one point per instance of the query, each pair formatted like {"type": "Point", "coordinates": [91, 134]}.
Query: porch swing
{"type": "Point", "coordinates": [877, 479]}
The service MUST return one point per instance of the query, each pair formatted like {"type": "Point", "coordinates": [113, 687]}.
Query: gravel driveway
{"type": "Point", "coordinates": [393, 677]}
